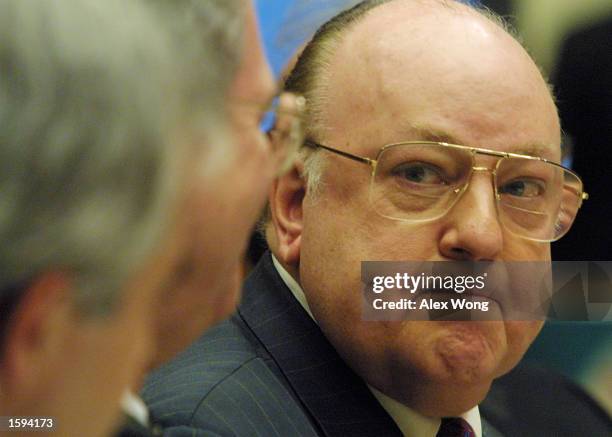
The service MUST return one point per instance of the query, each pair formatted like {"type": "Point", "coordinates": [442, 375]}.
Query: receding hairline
{"type": "Point", "coordinates": [308, 77]}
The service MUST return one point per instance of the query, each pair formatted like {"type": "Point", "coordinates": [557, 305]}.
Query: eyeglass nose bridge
{"type": "Point", "coordinates": [475, 168]}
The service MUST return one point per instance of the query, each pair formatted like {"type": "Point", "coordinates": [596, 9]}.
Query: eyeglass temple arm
{"type": "Point", "coordinates": [362, 159]}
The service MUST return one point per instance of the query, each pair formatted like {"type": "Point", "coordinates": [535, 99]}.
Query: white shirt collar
{"type": "Point", "coordinates": [292, 284]}
{"type": "Point", "coordinates": [413, 424]}
{"type": "Point", "coordinates": [135, 407]}
{"type": "Point", "coordinates": [410, 423]}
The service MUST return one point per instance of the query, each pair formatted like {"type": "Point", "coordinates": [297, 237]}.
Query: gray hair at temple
{"type": "Point", "coordinates": [87, 174]}
{"type": "Point", "coordinates": [208, 35]}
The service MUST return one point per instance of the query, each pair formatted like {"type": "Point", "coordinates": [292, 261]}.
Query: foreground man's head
{"type": "Point", "coordinates": [222, 49]}
{"type": "Point", "coordinates": [405, 71]}
{"type": "Point", "coordinates": [88, 182]}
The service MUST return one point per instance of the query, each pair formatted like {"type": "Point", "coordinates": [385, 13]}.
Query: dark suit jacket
{"type": "Point", "coordinates": [269, 371]}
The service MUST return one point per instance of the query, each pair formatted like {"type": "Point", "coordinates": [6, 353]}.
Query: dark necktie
{"type": "Point", "coordinates": [455, 427]}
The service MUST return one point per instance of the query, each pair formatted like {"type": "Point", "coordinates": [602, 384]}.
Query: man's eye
{"type": "Point", "coordinates": [419, 173]}
{"type": "Point", "coordinates": [522, 188]}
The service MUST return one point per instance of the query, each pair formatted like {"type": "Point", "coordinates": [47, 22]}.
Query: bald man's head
{"type": "Point", "coordinates": [310, 73]}
{"type": "Point", "coordinates": [369, 33]}
{"type": "Point", "coordinates": [387, 82]}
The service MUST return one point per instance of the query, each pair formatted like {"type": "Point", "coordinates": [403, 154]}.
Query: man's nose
{"type": "Point", "coordinates": [472, 230]}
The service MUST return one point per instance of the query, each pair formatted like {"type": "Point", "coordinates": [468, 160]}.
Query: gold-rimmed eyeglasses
{"type": "Point", "coordinates": [420, 181]}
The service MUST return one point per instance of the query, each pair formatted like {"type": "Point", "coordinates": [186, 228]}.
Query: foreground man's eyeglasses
{"type": "Point", "coordinates": [420, 181]}
{"type": "Point", "coordinates": [282, 122]}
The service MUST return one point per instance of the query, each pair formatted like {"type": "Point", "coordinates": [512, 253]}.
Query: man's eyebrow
{"type": "Point", "coordinates": [430, 133]}
{"type": "Point", "coordinates": [537, 150]}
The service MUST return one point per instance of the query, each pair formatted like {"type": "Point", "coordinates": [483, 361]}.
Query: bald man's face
{"type": "Point", "coordinates": [412, 71]}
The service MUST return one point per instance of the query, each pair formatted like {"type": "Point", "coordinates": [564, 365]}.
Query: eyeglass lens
{"type": "Point", "coordinates": [420, 182]}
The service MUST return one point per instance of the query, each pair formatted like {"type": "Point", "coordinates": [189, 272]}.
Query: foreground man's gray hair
{"type": "Point", "coordinates": [86, 174]}
{"type": "Point", "coordinates": [208, 36]}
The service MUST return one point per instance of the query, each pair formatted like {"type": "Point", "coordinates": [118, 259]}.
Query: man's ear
{"type": "Point", "coordinates": [35, 335]}
{"type": "Point", "coordinates": [286, 203]}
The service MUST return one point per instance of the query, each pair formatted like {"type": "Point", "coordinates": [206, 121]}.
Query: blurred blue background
{"type": "Point", "coordinates": [271, 15]}
{"type": "Point", "coordinates": [286, 24]}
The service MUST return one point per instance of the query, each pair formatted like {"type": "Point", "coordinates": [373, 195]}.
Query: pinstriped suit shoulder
{"type": "Point", "coordinates": [180, 386]}
{"type": "Point", "coordinates": [222, 385]}
{"type": "Point", "coordinates": [250, 376]}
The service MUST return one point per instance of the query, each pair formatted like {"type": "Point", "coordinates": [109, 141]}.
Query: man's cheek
{"type": "Point", "coordinates": [519, 249]}
{"type": "Point", "coordinates": [402, 241]}
{"type": "Point", "coordinates": [521, 334]}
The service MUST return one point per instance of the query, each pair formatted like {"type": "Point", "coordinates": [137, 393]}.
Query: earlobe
{"type": "Point", "coordinates": [286, 203]}
{"type": "Point", "coordinates": [35, 333]}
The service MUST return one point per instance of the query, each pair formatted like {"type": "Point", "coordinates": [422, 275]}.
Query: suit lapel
{"type": "Point", "coordinates": [488, 430]}
{"type": "Point", "coordinates": [338, 401]}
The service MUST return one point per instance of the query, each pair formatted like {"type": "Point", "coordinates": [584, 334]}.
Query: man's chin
{"type": "Point", "coordinates": [452, 374]}
{"type": "Point", "coordinates": [466, 353]}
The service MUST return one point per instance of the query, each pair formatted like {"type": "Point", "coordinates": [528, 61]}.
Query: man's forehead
{"type": "Point", "coordinates": [390, 23]}
{"type": "Point", "coordinates": [394, 48]}
{"type": "Point", "coordinates": [409, 38]}
{"type": "Point", "coordinates": [408, 73]}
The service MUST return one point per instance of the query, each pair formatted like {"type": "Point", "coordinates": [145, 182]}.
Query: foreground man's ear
{"type": "Point", "coordinates": [35, 334]}
{"type": "Point", "coordinates": [286, 203]}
